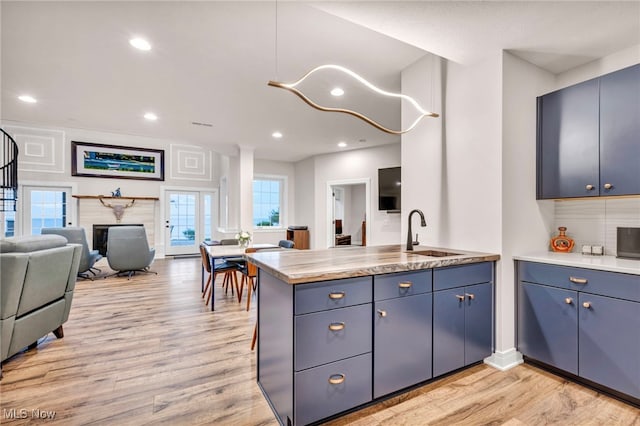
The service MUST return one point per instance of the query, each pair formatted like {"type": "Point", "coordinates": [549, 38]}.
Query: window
{"type": "Point", "coordinates": [268, 196]}
{"type": "Point", "coordinates": [47, 207]}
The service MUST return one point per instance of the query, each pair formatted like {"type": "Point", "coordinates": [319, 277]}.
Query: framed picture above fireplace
{"type": "Point", "coordinates": [112, 161]}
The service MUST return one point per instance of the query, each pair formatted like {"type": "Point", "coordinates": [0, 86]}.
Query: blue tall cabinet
{"type": "Point", "coordinates": [588, 138]}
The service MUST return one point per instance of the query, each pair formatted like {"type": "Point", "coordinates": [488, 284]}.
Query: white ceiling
{"type": "Point", "coordinates": [211, 61]}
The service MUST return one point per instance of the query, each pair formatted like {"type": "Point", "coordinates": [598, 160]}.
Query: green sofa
{"type": "Point", "coordinates": [37, 279]}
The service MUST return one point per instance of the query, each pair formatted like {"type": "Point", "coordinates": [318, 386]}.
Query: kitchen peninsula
{"type": "Point", "coordinates": [340, 328]}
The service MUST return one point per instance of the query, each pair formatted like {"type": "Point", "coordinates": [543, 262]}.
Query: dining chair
{"type": "Point", "coordinates": [229, 270]}
{"type": "Point", "coordinates": [286, 244]}
{"type": "Point", "coordinates": [249, 274]}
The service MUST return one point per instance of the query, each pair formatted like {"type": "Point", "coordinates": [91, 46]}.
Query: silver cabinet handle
{"type": "Point", "coordinates": [382, 313]}
{"type": "Point", "coordinates": [471, 296]}
{"type": "Point", "coordinates": [589, 187]}
{"type": "Point", "coordinates": [587, 305]}
{"type": "Point", "coordinates": [459, 297]}
{"type": "Point", "coordinates": [577, 280]}
{"type": "Point", "coordinates": [405, 284]}
{"type": "Point", "coordinates": [568, 301]}
{"type": "Point", "coordinates": [608, 186]}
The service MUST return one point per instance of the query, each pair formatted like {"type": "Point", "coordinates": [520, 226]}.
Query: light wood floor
{"type": "Point", "coordinates": [147, 351]}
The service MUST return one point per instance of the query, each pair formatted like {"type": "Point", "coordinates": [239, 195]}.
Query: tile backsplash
{"type": "Point", "coordinates": [594, 222]}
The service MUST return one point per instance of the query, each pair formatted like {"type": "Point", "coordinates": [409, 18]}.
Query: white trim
{"type": "Point", "coordinates": [504, 360]}
{"type": "Point", "coordinates": [329, 202]}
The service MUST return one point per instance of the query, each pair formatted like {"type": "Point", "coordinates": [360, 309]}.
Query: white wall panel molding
{"type": "Point", "coordinates": [41, 150]}
{"type": "Point", "coordinates": [190, 162]}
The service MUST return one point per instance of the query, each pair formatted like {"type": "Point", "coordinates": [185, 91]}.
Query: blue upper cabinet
{"type": "Point", "coordinates": [568, 164]}
{"type": "Point", "coordinates": [620, 132]}
{"type": "Point", "coordinates": [588, 138]}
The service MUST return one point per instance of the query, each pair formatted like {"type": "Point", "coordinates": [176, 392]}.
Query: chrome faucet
{"type": "Point", "coordinates": [409, 233]}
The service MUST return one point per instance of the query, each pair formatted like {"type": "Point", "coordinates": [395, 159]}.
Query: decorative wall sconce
{"type": "Point", "coordinates": [292, 88]}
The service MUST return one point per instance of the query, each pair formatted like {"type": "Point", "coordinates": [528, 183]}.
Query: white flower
{"type": "Point", "coordinates": [243, 236]}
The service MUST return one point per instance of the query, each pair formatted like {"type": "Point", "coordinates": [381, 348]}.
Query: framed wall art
{"type": "Point", "coordinates": [112, 161]}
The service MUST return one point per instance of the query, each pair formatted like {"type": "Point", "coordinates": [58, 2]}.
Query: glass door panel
{"type": "Point", "coordinates": [181, 224]}
{"type": "Point", "coordinates": [46, 208]}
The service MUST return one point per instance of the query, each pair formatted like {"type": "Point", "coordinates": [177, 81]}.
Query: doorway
{"type": "Point", "coordinates": [189, 220]}
{"type": "Point", "coordinates": [349, 209]}
{"type": "Point", "coordinates": [43, 207]}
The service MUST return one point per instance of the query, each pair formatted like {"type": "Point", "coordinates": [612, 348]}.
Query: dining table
{"type": "Point", "coordinates": [222, 252]}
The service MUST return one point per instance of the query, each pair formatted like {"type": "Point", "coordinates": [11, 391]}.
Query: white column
{"type": "Point", "coordinates": [245, 187]}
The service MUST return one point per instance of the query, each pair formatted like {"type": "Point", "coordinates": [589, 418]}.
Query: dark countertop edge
{"type": "Point", "coordinates": [311, 277]}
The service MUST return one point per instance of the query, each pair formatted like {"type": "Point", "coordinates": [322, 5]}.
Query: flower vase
{"type": "Point", "coordinates": [244, 243]}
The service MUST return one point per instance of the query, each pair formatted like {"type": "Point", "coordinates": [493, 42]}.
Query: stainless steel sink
{"type": "Point", "coordinates": [435, 253]}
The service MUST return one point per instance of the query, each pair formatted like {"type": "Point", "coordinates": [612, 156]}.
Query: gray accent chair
{"type": "Point", "coordinates": [128, 250]}
{"type": "Point", "coordinates": [288, 244]}
{"type": "Point", "coordinates": [77, 235]}
{"type": "Point", "coordinates": [37, 280]}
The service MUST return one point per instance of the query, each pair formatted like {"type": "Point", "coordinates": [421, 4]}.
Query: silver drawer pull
{"type": "Point", "coordinates": [586, 305]}
{"type": "Point", "coordinates": [460, 298]}
{"type": "Point", "coordinates": [578, 280]}
{"type": "Point", "coordinates": [336, 326]}
{"type": "Point", "coordinates": [568, 301]}
{"type": "Point", "coordinates": [405, 284]}
{"type": "Point", "coordinates": [337, 295]}
{"type": "Point", "coordinates": [382, 313]}
{"type": "Point", "coordinates": [471, 296]}
{"type": "Point", "coordinates": [336, 379]}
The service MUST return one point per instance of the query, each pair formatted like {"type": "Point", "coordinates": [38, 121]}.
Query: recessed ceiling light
{"type": "Point", "coordinates": [337, 91]}
{"type": "Point", "coordinates": [342, 144]}
{"type": "Point", "coordinates": [151, 116]}
{"type": "Point", "coordinates": [276, 135]}
{"type": "Point", "coordinates": [28, 98]}
{"type": "Point", "coordinates": [140, 43]}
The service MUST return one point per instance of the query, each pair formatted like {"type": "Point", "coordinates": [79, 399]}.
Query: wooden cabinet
{"type": "Point", "coordinates": [402, 331]}
{"type": "Point", "coordinates": [582, 321]}
{"type": "Point", "coordinates": [588, 138]}
{"type": "Point", "coordinates": [462, 316]}
{"type": "Point", "coordinates": [300, 238]}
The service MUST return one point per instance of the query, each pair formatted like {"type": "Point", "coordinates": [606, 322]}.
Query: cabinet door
{"type": "Point", "coordinates": [402, 343]}
{"type": "Point", "coordinates": [478, 325]}
{"type": "Point", "coordinates": [610, 342]}
{"type": "Point", "coordinates": [448, 330]}
{"type": "Point", "coordinates": [568, 146]}
{"type": "Point", "coordinates": [620, 132]}
{"type": "Point", "coordinates": [548, 325]}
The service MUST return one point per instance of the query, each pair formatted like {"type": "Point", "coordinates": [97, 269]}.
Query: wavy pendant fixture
{"type": "Point", "coordinates": [292, 88]}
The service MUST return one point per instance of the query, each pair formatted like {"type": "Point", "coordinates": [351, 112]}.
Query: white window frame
{"type": "Point", "coordinates": [283, 201]}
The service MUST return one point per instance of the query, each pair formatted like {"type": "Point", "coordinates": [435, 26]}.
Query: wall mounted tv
{"type": "Point", "coordinates": [389, 189]}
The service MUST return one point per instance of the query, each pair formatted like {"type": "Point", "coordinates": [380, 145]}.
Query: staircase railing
{"type": "Point", "coordinates": [8, 173]}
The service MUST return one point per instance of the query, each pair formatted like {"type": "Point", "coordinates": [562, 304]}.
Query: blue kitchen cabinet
{"type": "Point", "coordinates": [548, 325]}
{"type": "Point", "coordinates": [568, 142]}
{"type": "Point", "coordinates": [583, 321]}
{"type": "Point", "coordinates": [620, 132]}
{"type": "Point", "coordinates": [462, 327]}
{"type": "Point", "coordinates": [402, 343]}
{"type": "Point", "coordinates": [609, 336]}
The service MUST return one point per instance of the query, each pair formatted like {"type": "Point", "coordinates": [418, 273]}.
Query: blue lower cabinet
{"type": "Point", "coordinates": [609, 335]}
{"type": "Point", "coordinates": [462, 327]}
{"type": "Point", "coordinates": [402, 343]}
{"type": "Point", "coordinates": [548, 325]}
{"type": "Point", "coordinates": [329, 389]}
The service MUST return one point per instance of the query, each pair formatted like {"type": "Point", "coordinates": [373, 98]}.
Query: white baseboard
{"type": "Point", "coordinates": [504, 360]}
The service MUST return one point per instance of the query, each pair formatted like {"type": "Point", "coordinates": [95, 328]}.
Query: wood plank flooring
{"type": "Point", "coordinates": [147, 351]}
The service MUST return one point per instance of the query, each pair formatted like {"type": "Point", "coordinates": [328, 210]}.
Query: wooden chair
{"type": "Point", "coordinates": [249, 274]}
{"type": "Point", "coordinates": [229, 270]}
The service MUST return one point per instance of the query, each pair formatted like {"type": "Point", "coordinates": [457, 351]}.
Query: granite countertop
{"type": "Point", "coordinates": [578, 260]}
{"type": "Point", "coordinates": [303, 266]}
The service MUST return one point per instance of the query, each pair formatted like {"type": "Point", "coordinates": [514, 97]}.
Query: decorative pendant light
{"type": "Point", "coordinates": [292, 88]}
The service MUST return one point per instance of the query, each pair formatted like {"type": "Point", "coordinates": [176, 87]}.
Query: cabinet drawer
{"type": "Point", "coordinates": [401, 284]}
{"type": "Point", "coordinates": [324, 337]}
{"type": "Point", "coordinates": [332, 294]}
{"type": "Point", "coordinates": [613, 284]}
{"type": "Point", "coordinates": [317, 398]}
{"type": "Point", "coordinates": [458, 276]}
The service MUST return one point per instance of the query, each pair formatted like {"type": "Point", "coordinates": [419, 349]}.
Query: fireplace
{"type": "Point", "coordinates": [101, 233]}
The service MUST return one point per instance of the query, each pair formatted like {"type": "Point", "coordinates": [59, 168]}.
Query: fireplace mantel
{"type": "Point", "coordinates": [96, 197]}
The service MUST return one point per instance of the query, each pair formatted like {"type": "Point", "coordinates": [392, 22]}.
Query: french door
{"type": "Point", "coordinates": [189, 220]}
